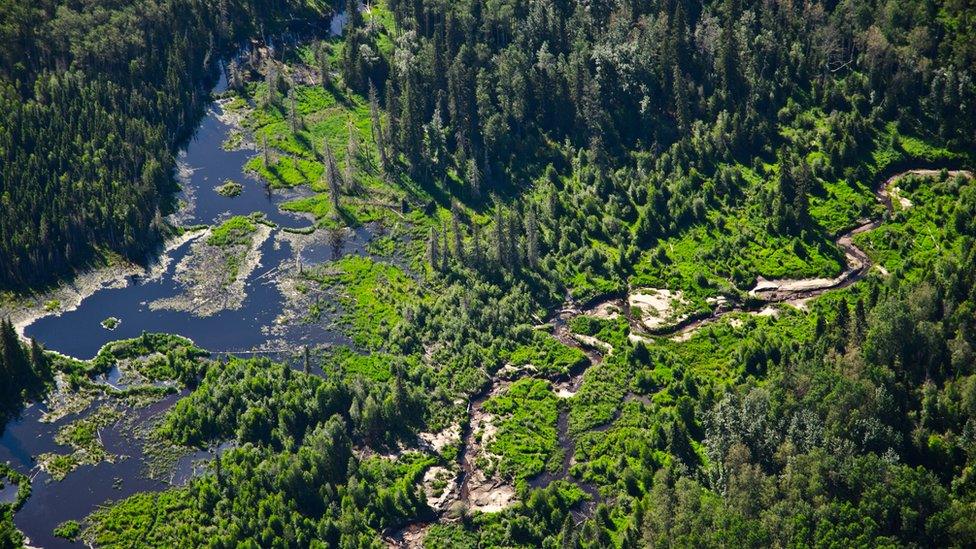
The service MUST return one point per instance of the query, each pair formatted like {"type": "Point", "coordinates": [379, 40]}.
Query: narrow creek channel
{"type": "Point", "coordinates": [857, 265]}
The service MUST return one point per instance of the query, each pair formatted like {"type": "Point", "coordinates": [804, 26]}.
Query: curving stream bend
{"type": "Point", "coordinates": [765, 293]}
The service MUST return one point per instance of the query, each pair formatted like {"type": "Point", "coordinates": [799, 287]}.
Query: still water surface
{"type": "Point", "coordinates": [79, 333]}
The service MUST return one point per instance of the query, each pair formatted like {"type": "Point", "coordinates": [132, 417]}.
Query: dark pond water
{"type": "Point", "coordinates": [81, 492]}
{"type": "Point", "coordinates": [79, 333]}
{"type": "Point", "coordinates": [90, 486]}
{"type": "Point", "coordinates": [205, 165]}
{"type": "Point", "coordinates": [8, 494]}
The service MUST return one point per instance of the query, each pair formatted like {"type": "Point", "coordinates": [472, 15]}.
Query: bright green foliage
{"type": "Point", "coordinates": [548, 355]}
{"type": "Point", "coordinates": [68, 530]}
{"type": "Point", "coordinates": [450, 536]}
{"type": "Point", "coordinates": [525, 417]}
{"type": "Point", "coordinates": [372, 295]}
{"type": "Point", "coordinates": [236, 230]}
{"type": "Point", "coordinates": [842, 205]}
{"type": "Point", "coordinates": [941, 212]}
{"type": "Point", "coordinates": [613, 331]}
{"type": "Point", "coordinates": [149, 519]}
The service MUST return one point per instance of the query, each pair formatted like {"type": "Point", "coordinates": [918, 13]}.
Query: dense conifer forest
{"type": "Point", "coordinates": [666, 273]}
{"type": "Point", "coordinates": [95, 98]}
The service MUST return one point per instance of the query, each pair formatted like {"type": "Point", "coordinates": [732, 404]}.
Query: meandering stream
{"type": "Point", "coordinates": [765, 293]}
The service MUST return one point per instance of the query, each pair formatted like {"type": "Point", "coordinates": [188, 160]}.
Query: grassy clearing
{"type": "Point", "coordinates": [599, 397]}
{"type": "Point", "coordinates": [613, 331]}
{"type": "Point", "coordinates": [910, 242]}
{"type": "Point", "coordinates": [891, 148]}
{"type": "Point", "coordinates": [718, 351]}
{"type": "Point", "coordinates": [732, 242]}
{"type": "Point", "coordinates": [235, 231]}
{"type": "Point", "coordinates": [371, 294]}
{"type": "Point", "coordinates": [374, 366]}
{"type": "Point", "coordinates": [547, 355]}
{"type": "Point", "coordinates": [842, 205]}
{"type": "Point", "coordinates": [526, 437]}
{"type": "Point", "coordinates": [450, 536]}
{"type": "Point", "coordinates": [169, 513]}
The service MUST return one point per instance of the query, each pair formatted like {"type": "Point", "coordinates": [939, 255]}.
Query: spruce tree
{"type": "Point", "coordinates": [354, 19]}
{"type": "Point", "coordinates": [531, 238]}
{"type": "Point", "coordinates": [352, 156]}
{"type": "Point", "coordinates": [377, 128]}
{"type": "Point", "coordinates": [433, 252]}
{"type": "Point", "coordinates": [325, 69]}
{"type": "Point", "coordinates": [501, 246]}
{"type": "Point", "coordinates": [445, 250]}
{"type": "Point", "coordinates": [293, 111]}
{"type": "Point", "coordinates": [332, 176]}
{"type": "Point", "coordinates": [477, 250]}
{"type": "Point", "coordinates": [456, 229]}
{"type": "Point", "coordinates": [474, 179]}
{"type": "Point", "coordinates": [271, 82]}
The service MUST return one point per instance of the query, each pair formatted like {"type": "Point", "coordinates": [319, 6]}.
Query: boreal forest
{"type": "Point", "coordinates": [487, 273]}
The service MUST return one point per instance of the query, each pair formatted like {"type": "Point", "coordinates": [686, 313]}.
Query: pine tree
{"type": "Point", "coordinates": [567, 535]}
{"type": "Point", "coordinates": [460, 152]}
{"type": "Point", "coordinates": [293, 111]}
{"type": "Point", "coordinates": [265, 154]}
{"type": "Point", "coordinates": [456, 229]}
{"type": "Point", "coordinates": [352, 156]}
{"type": "Point", "coordinates": [513, 249]}
{"type": "Point", "coordinates": [434, 144]}
{"type": "Point", "coordinates": [354, 19]}
{"type": "Point", "coordinates": [501, 246]}
{"type": "Point", "coordinates": [681, 113]}
{"type": "Point", "coordinates": [477, 250]}
{"type": "Point", "coordinates": [377, 128]}
{"type": "Point", "coordinates": [860, 320]}
{"type": "Point", "coordinates": [38, 362]}
{"type": "Point", "coordinates": [14, 360]}
{"type": "Point", "coordinates": [234, 80]}
{"type": "Point", "coordinates": [325, 69]}
{"type": "Point", "coordinates": [411, 140]}
{"type": "Point", "coordinates": [843, 317]}
{"type": "Point", "coordinates": [332, 176]}
{"type": "Point", "coordinates": [271, 82]}
{"type": "Point", "coordinates": [531, 238]}
{"type": "Point", "coordinates": [352, 61]}
{"type": "Point", "coordinates": [486, 176]}
{"type": "Point", "coordinates": [474, 179]}
{"type": "Point", "coordinates": [392, 128]}
{"type": "Point", "coordinates": [445, 250]}
{"type": "Point", "coordinates": [728, 50]}
{"type": "Point", "coordinates": [433, 253]}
